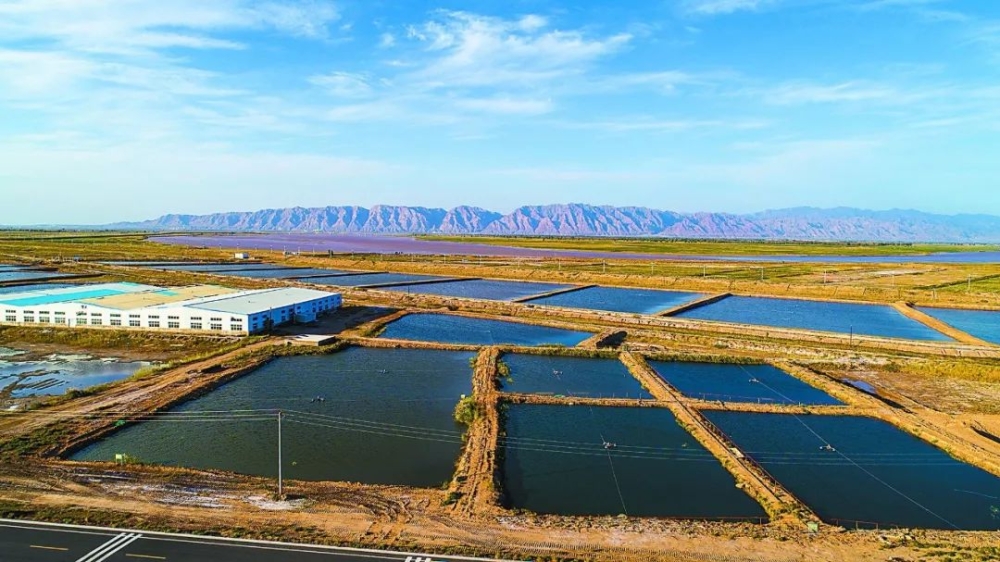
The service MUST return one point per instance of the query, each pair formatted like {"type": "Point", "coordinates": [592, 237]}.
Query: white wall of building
{"type": "Point", "coordinates": [173, 317]}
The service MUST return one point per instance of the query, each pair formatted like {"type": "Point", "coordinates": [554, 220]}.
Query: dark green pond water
{"type": "Point", "coordinates": [570, 376]}
{"type": "Point", "coordinates": [555, 462]}
{"type": "Point", "coordinates": [386, 418]}
{"type": "Point", "coordinates": [763, 384]}
{"type": "Point", "coordinates": [446, 328]}
{"type": "Point", "coordinates": [876, 473]}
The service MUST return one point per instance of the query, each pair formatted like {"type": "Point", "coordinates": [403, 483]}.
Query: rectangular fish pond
{"type": "Point", "coordinates": [615, 299]}
{"type": "Point", "coordinates": [863, 319]}
{"type": "Point", "coordinates": [446, 328]}
{"type": "Point", "coordinates": [284, 273]}
{"type": "Point", "coordinates": [857, 471]}
{"type": "Point", "coordinates": [763, 384]}
{"type": "Point", "coordinates": [371, 279]}
{"type": "Point", "coordinates": [219, 267]}
{"type": "Point", "coordinates": [376, 416]}
{"type": "Point", "coordinates": [569, 376]}
{"type": "Point", "coordinates": [983, 324]}
{"type": "Point", "coordinates": [56, 374]}
{"type": "Point", "coordinates": [556, 461]}
{"type": "Point", "coordinates": [29, 275]}
{"type": "Point", "coordinates": [486, 289]}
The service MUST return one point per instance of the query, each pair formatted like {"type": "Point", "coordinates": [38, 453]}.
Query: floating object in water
{"type": "Point", "coordinates": [827, 447]}
{"type": "Point", "coordinates": [609, 445]}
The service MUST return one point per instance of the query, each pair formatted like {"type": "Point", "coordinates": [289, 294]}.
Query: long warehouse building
{"type": "Point", "coordinates": [199, 308]}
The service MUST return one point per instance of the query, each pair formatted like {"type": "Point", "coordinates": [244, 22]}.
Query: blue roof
{"type": "Point", "coordinates": [61, 297]}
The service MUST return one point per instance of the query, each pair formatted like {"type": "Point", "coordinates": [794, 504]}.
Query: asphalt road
{"type": "Point", "coordinates": [22, 541]}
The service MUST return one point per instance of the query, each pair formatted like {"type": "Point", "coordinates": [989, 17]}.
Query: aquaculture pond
{"type": "Point", "coordinates": [983, 324]}
{"type": "Point", "coordinates": [615, 299]}
{"type": "Point", "coordinates": [369, 279]}
{"type": "Point", "coordinates": [285, 273]}
{"type": "Point", "coordinates": [569, 376]}
{"type": "Point", "coordinates": [446, 328]}
{"type": "Point", "coordinates": [219, 267]}
{"type": "Point", "coordinates": [29, 275]}
{"type": "Point", "coordinates": [35, 287]}
{"type": "Point", "coordinates": [862, 471]}
{"type": "Point", "coordinates": [377, 416]}
{"type": "Point", "coordinates": [864, 319]}
{"type": "Point", "coordinates": [728, 382]}
{"type": "Point", "coordinates": [55, 374]}
{"type": "Point", "coordinates": [486, 289]}
{"type": "Point", "coordinates": [581, 460]}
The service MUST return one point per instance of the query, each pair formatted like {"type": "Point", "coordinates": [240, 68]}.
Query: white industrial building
{"type": "Point", "coordinates": [199, 308]}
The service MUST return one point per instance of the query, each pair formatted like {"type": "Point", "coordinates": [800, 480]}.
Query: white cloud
{"type": "Point", "coordinates": [722, 7]}
{"type": "Point", "coordinates": [807, 93]}
{"type": "Point", "coordinates": [387, 40]}
{"type": "Point", "coordinates": [475, 51]}
{"type": "Point", "coordinates": [505, 105]}
{"type": "Point", "coordinates": [344, 84]}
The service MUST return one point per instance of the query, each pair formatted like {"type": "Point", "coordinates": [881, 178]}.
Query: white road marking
{"type": "Point", "coordinates": [107, 549]}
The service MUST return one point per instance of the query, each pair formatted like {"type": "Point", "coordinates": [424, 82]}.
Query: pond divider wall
{"type": "Point", "coordinates": [697, 303]}
{"type": "Point", "coordinates": [776, 500]}
{"type": "Point", "coordinates": [933, 323]}
{"type": "Point", "coordinates": [574, 289]}
{"type": "Point", "coordinates": [475, 485]}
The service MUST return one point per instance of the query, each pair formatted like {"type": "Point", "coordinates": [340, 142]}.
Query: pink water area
{"type": "Point", "coordinates": [376, 245]}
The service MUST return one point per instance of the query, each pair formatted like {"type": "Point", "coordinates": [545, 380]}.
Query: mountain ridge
{"type": "Point", "coordinates": [577, 219]}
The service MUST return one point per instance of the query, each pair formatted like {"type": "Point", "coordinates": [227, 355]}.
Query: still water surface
{"type": "Point", "coordinates": [875, 472]}
{"type": "Point", "coordinates": [56, 374]}
{"type": "Point", "coordinates": [555, 461]}
{"type": "Point", "coordinates": [485, 289]}
{"type": "Point", "coordinates": [983, 324]}
{"type": "Point", "coordinates": [570, 376]}
{"type": "Point", "coordinates": [615, 299]}
{"type": "Point", "coordinates": [385, 418]}
{"type": "Point", "coordinates": [862, 319]}
{"type": "Point", "coordinates": [763, 384]}
{"type": "Point", "coordinates": [446, 328]}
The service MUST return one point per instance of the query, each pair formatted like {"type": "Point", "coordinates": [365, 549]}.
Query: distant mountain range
{"type": "Point", "coordinates": [804, 223]}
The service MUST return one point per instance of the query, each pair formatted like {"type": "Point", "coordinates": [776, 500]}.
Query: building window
{"type": "Point", "coordinates": [11, 312]}
{"type": "Point", "coordinates": [116, 321]}
{"type": "Point", "coordinates": [154, 323]}
{"type": "Point", "coordinates": [60, 314]}
{"type": "Point", "coordinates": [154, 317]}
{"type": "Point", "coordinates": [81, 321]}
{"type": "Point", "coordinates": [174, 325]}
{"type": "Point", "coordinates": [29, 319]}
{"type": "Point", "coordinates": [173, 317]}
{"type": "Point", "coordinates": [236, 327]}
{"type": "Point", "coordinates": [96, 314]}
{"type": "Point", "coordinates": [215, 319]}
{"type": "Point", "coordinates": [116, 315]}
{"type": "Point", "coordinates": [215, 326]}
{"type": "Point", "coordinates": [196, 318]}
{"type": "Point", "coordinates": [60, 320]}
{"type": "Point", "coordinates": [134, 323]}
{"type": "Point", "coordinates": [96, 321]}
{"type": "Point", "coordinates": [11, 318]}
{"type": "Point", "coordinates": [133, 316]}
{"type": "Point", "coordinates": [195, 325]}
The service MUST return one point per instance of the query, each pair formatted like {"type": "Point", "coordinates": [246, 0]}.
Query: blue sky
{"type": "Point", "coordinates": [128, 109]}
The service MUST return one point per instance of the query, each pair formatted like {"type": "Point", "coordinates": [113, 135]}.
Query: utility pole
{"type": "Point", "coordinates": [281, 488]}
